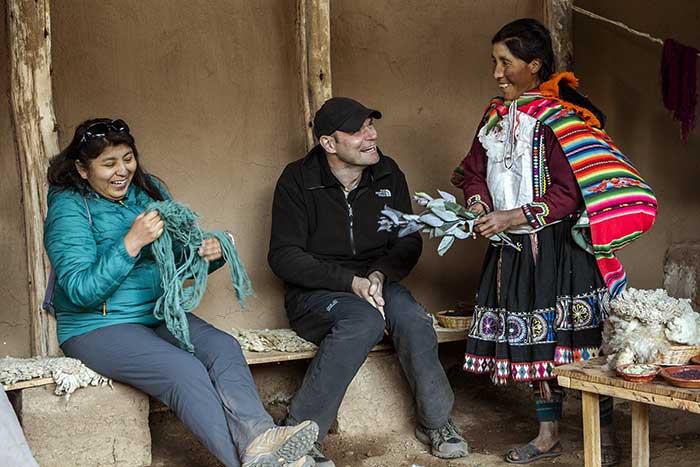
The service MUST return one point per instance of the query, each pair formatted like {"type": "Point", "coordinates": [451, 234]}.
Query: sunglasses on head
{"type": "Point", "coordinates": [101, 129]}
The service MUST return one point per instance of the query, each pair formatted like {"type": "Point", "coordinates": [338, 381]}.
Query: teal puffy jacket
{"type": "Point", "coordinates": [98, 282]}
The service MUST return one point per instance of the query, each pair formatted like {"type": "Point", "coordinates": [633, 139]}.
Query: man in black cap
{"type": "Point", "coordinates": [342, 275]}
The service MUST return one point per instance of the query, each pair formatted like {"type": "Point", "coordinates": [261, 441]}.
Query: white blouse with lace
{"type": "Point", "coordinates": [509, 162]}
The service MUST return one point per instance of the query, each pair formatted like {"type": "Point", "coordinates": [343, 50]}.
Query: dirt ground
{"type": "Point", "coordinates": [493, 420]}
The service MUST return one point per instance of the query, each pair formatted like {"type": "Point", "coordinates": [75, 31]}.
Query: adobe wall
{"type": "Point", "coordinates": [620, 72]}
{"type": "Point", "coordinates": [427, 66]}
{"type": "Point", "coordinates": [211, 92]}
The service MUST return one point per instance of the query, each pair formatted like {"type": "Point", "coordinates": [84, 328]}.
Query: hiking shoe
{"type": "Point", "coordinates": [447, 441]}
{"type": "Point", "coordinates": [305, 461]}
{"type": "Point", "coordinates": [281, 446]}
{"type": "Point", "coordinates": [319, 458]}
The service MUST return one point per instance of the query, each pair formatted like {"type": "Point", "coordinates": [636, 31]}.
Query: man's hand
{"type": "Point", "coordinates": [376, 288]}
{"type": "Point", "coordinates": [370, 289]}
{"type": "Point", "coordinates": [496, 222]}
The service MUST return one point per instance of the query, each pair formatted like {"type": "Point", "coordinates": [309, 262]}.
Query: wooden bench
{"type": "Point", "coordinates": [256, 358]}
{"type": "Point", "coordinates": [593, 378]}
{"type": "Point", "coordinates": [378, 391]}
{"type": "Point", "coordinates": [378, 397]}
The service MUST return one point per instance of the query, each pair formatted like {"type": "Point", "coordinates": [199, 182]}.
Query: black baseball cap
{"type": "Point", "coordinates": [341, 113]}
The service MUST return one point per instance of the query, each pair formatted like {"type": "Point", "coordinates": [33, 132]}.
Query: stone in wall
{"type": "Point", "coordinates": [379, 400]}
{"type": "Point", "coordinates": [96, 427]}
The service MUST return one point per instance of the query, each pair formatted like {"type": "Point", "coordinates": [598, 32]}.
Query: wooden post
{"type": "Point", "coordinates": [558, 17]}
{"type": "Point", "coordinates": [591, 429]}
{"type": "Point", "coordinates": [314, 35]}
{"type": "Point", "coordinates": [29, 26]}
{"type": "Point", "coordinates": [640, 434]}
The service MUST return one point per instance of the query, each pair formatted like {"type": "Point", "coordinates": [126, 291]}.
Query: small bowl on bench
{"type": "Point", "coordinates": [638, 372]}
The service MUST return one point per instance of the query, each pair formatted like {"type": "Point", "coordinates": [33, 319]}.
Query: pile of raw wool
{"type": "Point", "coordinates": [69, 374]}
{"type": "Point", "coordinates": [266, 340]}
{"type": "Point", "coordinates": [644, 323]}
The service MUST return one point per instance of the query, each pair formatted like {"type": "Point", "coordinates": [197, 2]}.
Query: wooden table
{"type": "Point", "coordinates": [593, 378]}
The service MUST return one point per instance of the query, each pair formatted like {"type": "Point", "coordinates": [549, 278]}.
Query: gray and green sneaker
{"type": "Point", "coordinates": [305, 461]}
{"type": "Point", "coordinates": [281, 446]}
{"type": "Point", "coordinates": [319, 457]}
{"type": "Point", "coordinates": [447, 441]}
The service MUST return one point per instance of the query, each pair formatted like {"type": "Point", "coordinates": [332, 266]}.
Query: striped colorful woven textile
{"type": "Point", "coordinates": [620, 205]}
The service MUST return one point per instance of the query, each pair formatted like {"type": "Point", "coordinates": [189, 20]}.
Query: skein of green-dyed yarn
{"type": "Point", "coordinates": [175, 253]}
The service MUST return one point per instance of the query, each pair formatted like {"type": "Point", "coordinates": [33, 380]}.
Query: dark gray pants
{"type": "Point", "coordinates": [212, 392]}
{"type": "Point", "coordinates": [346, 327]}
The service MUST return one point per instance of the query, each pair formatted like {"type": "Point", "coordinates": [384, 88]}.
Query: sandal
{"type": "Point", "coordinates": [530, 453]}
{"type": "Point", "coordinates": [609, 455]}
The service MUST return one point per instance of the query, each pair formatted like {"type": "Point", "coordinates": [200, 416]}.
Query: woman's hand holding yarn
{"type": "Point", "coordinates": [145, 229]}
{"type": "Point", "coordinates": [210, 249]}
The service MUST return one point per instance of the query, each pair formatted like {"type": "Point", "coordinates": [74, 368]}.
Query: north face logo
{"type": "Point", "coordinates": [384, 193]}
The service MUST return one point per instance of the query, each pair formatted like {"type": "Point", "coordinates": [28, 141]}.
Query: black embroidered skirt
{"type": "Point", "coordinates": [537, 308]}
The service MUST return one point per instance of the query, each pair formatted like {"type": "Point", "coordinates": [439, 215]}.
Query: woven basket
{"type": "Point", "coordinates": [677, 355]}
{"type": "Point", "coordinates": [453, 322]}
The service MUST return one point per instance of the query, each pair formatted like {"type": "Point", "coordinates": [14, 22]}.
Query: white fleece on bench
{"type": "Point", "coordinates": [266, 340]}
{"type": "Point", "coordinates": [68, 373]}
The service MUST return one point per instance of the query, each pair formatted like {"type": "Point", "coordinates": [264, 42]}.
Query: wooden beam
{"type": "Point", "coordinates": [594, 376]}
{"type": "Point", "coordinates": [29, 29]}
{"type": "Point", "coordinates": [672, 402]}
{"type": "Point", "coordinates": [314, 37]}
{"type": "Point", "coordinates": [32, 383]}
{"type": "Point", "coordinates": [558, 17]}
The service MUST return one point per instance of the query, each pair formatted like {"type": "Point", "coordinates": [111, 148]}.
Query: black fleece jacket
{"type": "Point", "coordinates": [321, 240]}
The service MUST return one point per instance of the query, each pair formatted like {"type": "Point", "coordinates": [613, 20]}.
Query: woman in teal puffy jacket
{"type": "Point", "coordinates": [97, 235]}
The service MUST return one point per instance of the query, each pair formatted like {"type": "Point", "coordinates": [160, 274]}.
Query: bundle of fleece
{"type": "Point", "coordinates": [69, 374]}
{"type": "Point", "coordinates": [266, 340]}
{"type": "Point", "coordinates": [644, 323]}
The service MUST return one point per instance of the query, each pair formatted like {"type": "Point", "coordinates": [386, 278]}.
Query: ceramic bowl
{"type": "Point", "coordinates": [638, 372]}
{"type": "Point", "coordinates": [675, 376]}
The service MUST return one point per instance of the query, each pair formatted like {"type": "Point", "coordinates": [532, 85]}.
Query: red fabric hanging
{"type": "Point", "coordinates": [678, 82]}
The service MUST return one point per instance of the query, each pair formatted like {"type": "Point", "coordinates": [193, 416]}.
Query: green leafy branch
{"type": "Point", "coordinates": [443, 217]}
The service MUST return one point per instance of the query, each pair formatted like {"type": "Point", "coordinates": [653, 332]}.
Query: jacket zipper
{"type": "Point", "coordinates": [104, 305]}
{"type": "Point", "coordinates": [352, 235]}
